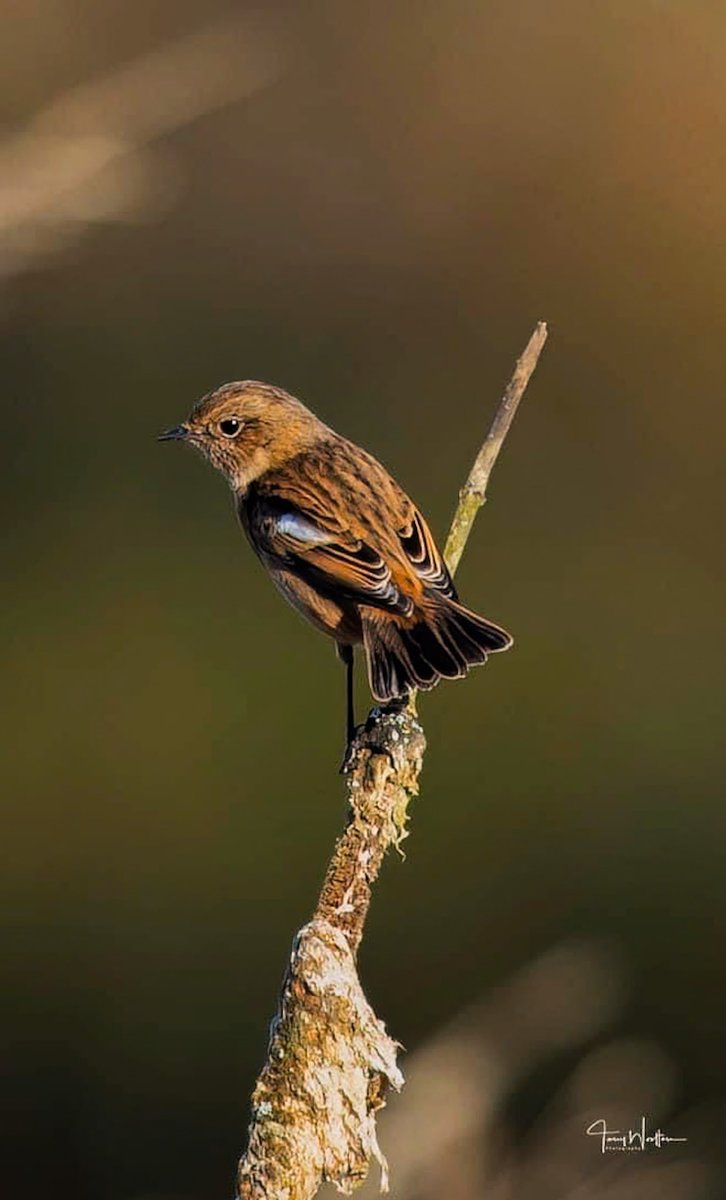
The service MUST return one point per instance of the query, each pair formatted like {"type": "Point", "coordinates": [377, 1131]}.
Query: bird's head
{"type": "Point", "coordinates": [244, 429]}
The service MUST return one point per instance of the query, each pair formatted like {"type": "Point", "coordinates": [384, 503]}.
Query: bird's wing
{"type": "Point", "coordinates": [424, 556]}
{"type": "Point", "coordinates": [347, 527]}
{"type": "Point", "coordinates": [332, 561]}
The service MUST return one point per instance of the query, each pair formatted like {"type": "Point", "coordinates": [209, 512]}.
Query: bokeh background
{"type": "Point", "coordinates": [370, 205]}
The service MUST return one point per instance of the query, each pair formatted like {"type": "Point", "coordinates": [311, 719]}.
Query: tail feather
{"type": "Point", "coordinates": [435, 647]}
{"type": "Point", "coordinates": [442, 641]}
{"type": "Point", "coordinates": [480, 636]}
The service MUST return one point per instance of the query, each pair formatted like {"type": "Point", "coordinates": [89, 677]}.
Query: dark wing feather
{"type": "Point", "coordinates": [335, 563]}
{"type": "Point", "coordinates": [337, 517]}
{"type": "Point", "coordinates": [423, 554]}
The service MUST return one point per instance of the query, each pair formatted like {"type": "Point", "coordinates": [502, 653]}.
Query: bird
{"type": "Point", "coordinates": [341, 540]}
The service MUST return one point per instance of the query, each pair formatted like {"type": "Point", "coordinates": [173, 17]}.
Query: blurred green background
{"type": "Point", "coordinates": [370, 205]}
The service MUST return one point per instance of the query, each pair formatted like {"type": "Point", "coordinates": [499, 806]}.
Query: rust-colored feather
{"type": "Point", "coordinates": [341, 540]}
{"type": "Point", "coordinates": [346, 524]}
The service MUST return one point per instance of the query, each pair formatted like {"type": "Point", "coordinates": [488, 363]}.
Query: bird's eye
{"type": "Point", "coordinates": [230, 427]}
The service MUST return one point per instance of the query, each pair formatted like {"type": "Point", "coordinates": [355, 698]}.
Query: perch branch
{"type": "Point", "coordinates": [330, 1061]}
{"type": "Point", "coordinates": [474, 492]}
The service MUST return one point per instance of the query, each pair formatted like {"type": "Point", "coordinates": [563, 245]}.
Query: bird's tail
{"type": "Point", "coordinates": [441, 641]}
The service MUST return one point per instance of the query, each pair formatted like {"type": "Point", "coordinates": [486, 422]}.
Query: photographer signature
{"type": "Point", "coordinates": [632, 1139]}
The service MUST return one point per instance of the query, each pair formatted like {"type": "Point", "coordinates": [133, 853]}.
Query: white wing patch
{"type": "Point", "coordinates": [295, 526]}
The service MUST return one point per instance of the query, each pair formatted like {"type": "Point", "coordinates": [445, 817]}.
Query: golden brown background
{"type": "Point", "coordinates": [371, 205]}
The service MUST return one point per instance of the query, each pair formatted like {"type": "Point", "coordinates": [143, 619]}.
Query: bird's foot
{"type": "Point", "coordinates": [351, 747]}
{"type": "Point", "coordinates": [390, 709]}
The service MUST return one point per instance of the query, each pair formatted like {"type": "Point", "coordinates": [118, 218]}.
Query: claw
{"type": "Point", "coordinates": [350, 750]}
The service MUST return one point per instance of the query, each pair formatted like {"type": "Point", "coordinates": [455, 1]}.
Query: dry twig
{"type": "Point", "coordinates": [330, 1060]}
{"type": "Point", "coordinates": [474, 492]}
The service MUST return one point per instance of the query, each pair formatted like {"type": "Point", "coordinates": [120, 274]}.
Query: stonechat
{"type": "Point", "coordinates": [341, 540]}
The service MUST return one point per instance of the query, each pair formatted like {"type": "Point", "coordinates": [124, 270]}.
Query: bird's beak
{"type": "Point", "coordinates": [178, 434]}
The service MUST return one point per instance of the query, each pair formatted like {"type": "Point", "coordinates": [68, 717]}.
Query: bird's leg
{"type": "Point", "coordinates": [349, 698]}
{"type": "Point", "coordinates": [345, 654]}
